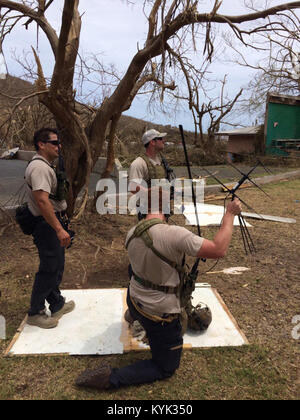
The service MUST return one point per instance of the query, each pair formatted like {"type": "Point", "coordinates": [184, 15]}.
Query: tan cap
{"type": "Point", "coordinates": [152, 134]}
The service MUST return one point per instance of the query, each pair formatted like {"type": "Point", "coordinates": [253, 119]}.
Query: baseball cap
{"type": "Point", "coordinates": [150, 135]}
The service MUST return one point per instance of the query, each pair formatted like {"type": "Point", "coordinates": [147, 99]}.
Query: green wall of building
{"type": "Point", "coordinates": [288, 127]}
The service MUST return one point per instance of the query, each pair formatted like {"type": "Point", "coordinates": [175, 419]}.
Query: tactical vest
{"type": "Point", "coordinates": [154, 171]}
{"type": "Point", "coordinates": [62, 182]}
{"type": "Point", "coordinates": [141, 231]}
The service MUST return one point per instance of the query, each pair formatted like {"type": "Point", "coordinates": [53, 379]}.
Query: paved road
{"type": "Point", "coordinates": [11, 179]}
{"type": "Point", "coordinates": [12, 184]}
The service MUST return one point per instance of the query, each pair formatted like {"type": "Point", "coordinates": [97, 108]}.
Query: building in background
{"type": "Point", "coordinates": [279, 136]}
{"type": "Point", "coordinates": [282, 125]}
{"type": "Point", "coordinates": [243, 141]}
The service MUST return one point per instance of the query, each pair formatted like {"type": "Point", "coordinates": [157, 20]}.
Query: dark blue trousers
{"type": "Point", "coordinates": [165, 342]}
{"type": "Point", "coordinates": [51, 269]}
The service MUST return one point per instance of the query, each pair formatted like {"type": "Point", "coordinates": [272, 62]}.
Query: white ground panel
{"type": "Point", "coordinates": [223, 331]}
{"type": "Point", "coordinates": [96, 327]}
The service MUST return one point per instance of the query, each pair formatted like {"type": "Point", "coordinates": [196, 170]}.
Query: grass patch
{"type": "Point", "coordinates": [206, 374]}
{"type": "Point", "coordinates": [263, 301]}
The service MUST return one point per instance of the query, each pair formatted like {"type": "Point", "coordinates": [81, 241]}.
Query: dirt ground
{"type": "Point", "coordinates": [263, 301]}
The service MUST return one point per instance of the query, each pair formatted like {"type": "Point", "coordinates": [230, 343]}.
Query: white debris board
{"type": "Point", "coordinates": [208, 214]}
{"type": "Point", "coordinates": [97, 327]}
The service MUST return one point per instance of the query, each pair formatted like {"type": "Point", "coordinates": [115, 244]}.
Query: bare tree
{"type": "Point", "coordinates": [205, 109]}
{"type": "Point", "coordinates": [169, 22]}
{"type": "Point", "coordinates": [278, 69]}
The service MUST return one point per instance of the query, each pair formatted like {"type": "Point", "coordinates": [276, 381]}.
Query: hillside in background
{"type": "Point", "coordinates": [32, 115]}
{"type": "Point", "coordinates": [15, 88]}
{"type": "Point", "coordinates": [134, 129]}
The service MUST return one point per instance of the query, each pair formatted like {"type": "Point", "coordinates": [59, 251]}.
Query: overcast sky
{"type": "Point", "coordinates": [114, 29]}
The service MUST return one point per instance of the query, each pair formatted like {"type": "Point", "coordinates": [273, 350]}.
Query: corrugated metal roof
{"type": "Point", "coordinates": [246, 130]}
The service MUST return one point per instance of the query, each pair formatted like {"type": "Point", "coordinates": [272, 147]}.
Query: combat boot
{"type": "Point", "coordinates": [42, 321]}
{"type": "Point", "coordinates": [68, 307]}
{"type": "Point", "coordinates": [128, 318]}
{"type": "Point", "coordinates": [98, 378]}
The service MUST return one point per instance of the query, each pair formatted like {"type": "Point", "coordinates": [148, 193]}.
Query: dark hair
{"type": "Point", "coordinates": [43, 134]}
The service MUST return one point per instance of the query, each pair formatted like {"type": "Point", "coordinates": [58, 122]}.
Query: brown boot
{"type": "Point", "coordinates": [128, 318]}
{"type": "Point", "coordinates": [97, 378]}
{"type": "Point", "coordinates": [42, 321]}
{"type": "Point", "coordinates": [68, 307]}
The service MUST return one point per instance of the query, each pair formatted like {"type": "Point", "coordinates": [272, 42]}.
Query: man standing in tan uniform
{"type": "Point", "coordinates": [153, 294]}
{"type": "Point", "coordinates": [148, 166]}
{"type": "Point", "coordinates": [50, 235]}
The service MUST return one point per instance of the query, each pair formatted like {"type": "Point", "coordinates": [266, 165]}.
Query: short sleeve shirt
{"type": "Point", "coordinates": [42, 177]}
{"type": "Point", "coordinates": [172, 242]}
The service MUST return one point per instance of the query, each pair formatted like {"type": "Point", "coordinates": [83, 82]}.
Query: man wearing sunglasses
{"type": "Point", "coordinates": [50, 234]}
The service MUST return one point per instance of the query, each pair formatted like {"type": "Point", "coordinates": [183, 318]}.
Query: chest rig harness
{"type": "Point", "coordinates": [61, 176]}
{"type": "Point", "coordinates": [197, 318]}
{"type": "Point", "coordinates": [25, 218]}
{"type": "Point", "coordinates": [185, 288]}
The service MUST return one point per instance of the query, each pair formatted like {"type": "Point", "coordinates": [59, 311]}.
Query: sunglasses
{"type": "Point", "coordinates": [53, 142]}
{"type": "Point", "coordinates": [158, 138]}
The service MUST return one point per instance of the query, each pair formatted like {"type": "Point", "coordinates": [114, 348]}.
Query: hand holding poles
{"type": "Point", "coordinates": [247, 240]}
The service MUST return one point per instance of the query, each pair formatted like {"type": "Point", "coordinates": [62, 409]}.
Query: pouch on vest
{"type": "Point", "coordinates": [62, 182]}
{"type": "Point", "coordinates": [62, 186]}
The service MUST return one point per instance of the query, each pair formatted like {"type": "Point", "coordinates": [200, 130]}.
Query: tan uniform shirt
{"type": "Point", "coordinates": [172, 242]}
{"type": "Point", "coordinates": [41, 177]}
{"type": "Point", "coordinates": [139, 171]}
